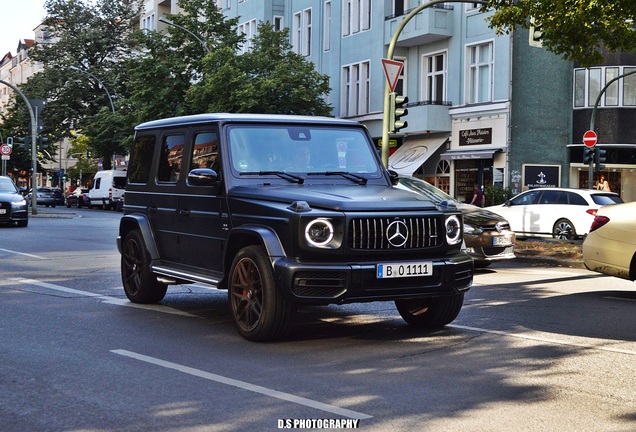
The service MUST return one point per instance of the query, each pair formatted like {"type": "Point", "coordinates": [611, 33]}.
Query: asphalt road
{"type": "Point", "coordinates": [536, 348]}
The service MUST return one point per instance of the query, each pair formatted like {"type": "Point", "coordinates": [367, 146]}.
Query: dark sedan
{"type": "Point", "coordinates": [79, 198]}
{"type": "Point", "coordinates": [13, 206]}
{"type": "Point", "coordinates": [487, 235]}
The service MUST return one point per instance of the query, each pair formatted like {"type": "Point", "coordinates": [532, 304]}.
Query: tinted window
{"type": "Point", "coordinates": [576, 199]}
{"type": "Point", "coordinates": [171, 158]}
{"type": "Point", "coordinates": [526, 198]}
{"type": "Point", "coordinates": [205, 151]}
{"type": "Point", "coordinates": [603, 199]}
{"type": "Point", "coordinates": [119, 182]}
{"type": "Point", "coordinates": [141, 159]}
{"type": "Point", "coordinates": [553, 197]}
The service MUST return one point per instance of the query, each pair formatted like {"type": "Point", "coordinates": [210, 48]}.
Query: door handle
{"type": "Point", "coordinates": [151, 209]}
{"type": "Point", "coordinates": [184, 212]}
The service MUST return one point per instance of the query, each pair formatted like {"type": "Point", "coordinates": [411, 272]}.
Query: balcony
{"type": "Point", "coordinates": [430, 25]}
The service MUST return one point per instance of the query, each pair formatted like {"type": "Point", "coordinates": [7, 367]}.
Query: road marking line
{"type": "Point", "coordinates": [105, 299]}
{"type": "Point", "coordinates": [542, 339]}
{"type": "Point", "coordinates": [245, 386]}
{"type": "Point", "coordinates": [24, 254]}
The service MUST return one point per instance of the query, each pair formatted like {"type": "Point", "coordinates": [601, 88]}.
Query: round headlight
{"type": "Point", "coordinates": [319, 232]}
{"type": "Point", "coordinates": [453, 230]}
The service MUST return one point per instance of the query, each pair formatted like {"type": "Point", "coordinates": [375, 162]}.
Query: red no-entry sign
{"type": "Point", "coordinates": [589, 138]}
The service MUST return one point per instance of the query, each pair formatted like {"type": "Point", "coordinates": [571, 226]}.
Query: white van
{"type": "Point", "coordinates": [107, 188]}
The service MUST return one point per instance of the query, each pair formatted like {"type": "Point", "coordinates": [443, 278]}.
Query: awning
{"type": "Point", "coordinates": [411, 155]}
{"type": "Point", "coordinates": [467, 155]}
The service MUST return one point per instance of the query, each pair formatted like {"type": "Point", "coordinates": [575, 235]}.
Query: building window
{"type": "Point", "coordinates": [249, 30]}
{"type": "Point", "coordinates": [434, 74]}
{"type": "Point", "coordinates": [588, 84]}
{"type": "Point", "coordinates": [472, 6]}
{"type": "Point", "coordinates": [356, 16]}
{"type": "Point", "coordinates": [326, 34]}
{"type": "Point", "coordinates": [356, 89]}
{"type": "Point", "coordinates": [301, 33]}
{"type": "Point", "coordinates": [278, 22]}
{"type": "Point", "coordinates": [148, 23]}
{"type": "Point", "coordinates": [480, 70]}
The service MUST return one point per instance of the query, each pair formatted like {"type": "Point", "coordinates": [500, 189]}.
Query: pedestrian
{"type": "Point", "coordinates": [479, 199]}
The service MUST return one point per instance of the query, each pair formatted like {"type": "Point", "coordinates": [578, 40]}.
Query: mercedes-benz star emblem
{"type": "Point", "coordinates": [397, 233]}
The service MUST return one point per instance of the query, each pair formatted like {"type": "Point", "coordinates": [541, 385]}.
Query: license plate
{"type": "Point", "coordinates": [502, 241]}
{"type": "Point", "coordinates": [3, 211]}
{"type": "Point", "coordinates": [399, 270]}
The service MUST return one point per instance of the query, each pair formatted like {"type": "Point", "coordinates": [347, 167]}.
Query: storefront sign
{"type": "Point", "coordinates": [469, 137]}
{"type": "Point", "coordinates": [538, 176]}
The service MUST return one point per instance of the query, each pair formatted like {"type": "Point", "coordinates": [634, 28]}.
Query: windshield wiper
{"type": "Point", "coordinates": [282, 174]}
{"type": "Point", "coordinates": [350, 176]}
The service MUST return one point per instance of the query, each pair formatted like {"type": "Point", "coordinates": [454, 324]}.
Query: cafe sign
{"type": "Point", "coordinates": [468, 137]}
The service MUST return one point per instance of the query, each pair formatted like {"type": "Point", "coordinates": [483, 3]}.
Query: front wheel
{"type": "Point", "coordinates": [140, 284]}
{"type": "Point", "coordinates": [258, 310]}
{"type": "Point", "coordinates": [563, 230]}
{"type": "Point", "coordinates": [430, 312]}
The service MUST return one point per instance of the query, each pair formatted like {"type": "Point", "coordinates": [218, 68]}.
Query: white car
{"type": "Point", "coordinates": [561, 213]}
{"type": "Point", "coordinates": [610, 247]}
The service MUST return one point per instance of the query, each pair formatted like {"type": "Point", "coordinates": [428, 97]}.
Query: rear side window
{"type": "Point", "coordinates": [170, 158]}
{"type": "Point", "coordinates": [141, 159]}
{"type": "Point", "coordinates": [577, 199]}
{"type": "Point", "coordinates": [119, 182]}
{"type": "Point", "coordinates": [205, 151]}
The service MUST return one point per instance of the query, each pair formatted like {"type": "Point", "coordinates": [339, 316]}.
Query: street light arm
{"type": "Point", "coordinates": [170, 23]}
{"type": "Point", "coordinates": [101, 84]}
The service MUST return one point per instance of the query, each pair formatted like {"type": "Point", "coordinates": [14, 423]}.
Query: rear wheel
{"type": "Point", "coordinates": [430, 312]}
{"type": "Point", "coordinates": [258, 310]}
{"type": "Point", "coordinates": [140, 284]}
{"type": "Point", "coordinates": [564, 230]}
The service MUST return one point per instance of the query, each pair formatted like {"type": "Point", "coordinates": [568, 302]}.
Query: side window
{"type": "Point", "coordinates": [525, 199]}
{"type": "Point", "coordinates": [550, 197]}
{"type": "Point", "coordinates": [205, 151]}
{"type": "Point", "coordinates": [170, 158]}
{"type": "Point", "coordinates": [139, 165]}
{"type": "Point", "coordinates": [98, 182]}
{"type": "Point", "coordinates": [576, 199]}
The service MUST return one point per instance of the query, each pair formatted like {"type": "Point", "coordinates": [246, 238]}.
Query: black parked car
{"type": "Point", "coordinates": [78, 198]}
{"type": "Point", "coordinates": [13, 206]}
{"type": "Point", "coordinates": [47, 196]}
{"type": "Point", "coordinates": [487, 235]}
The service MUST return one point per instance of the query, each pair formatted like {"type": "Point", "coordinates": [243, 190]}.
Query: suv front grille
{"type": "Point", "coordinates": [380, 233]}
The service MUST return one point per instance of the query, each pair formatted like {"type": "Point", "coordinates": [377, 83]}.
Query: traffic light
{"type": "Point", "coordinates": [536, 33]}
{"type": "Point", "coordinates": [599, 159]}
{"type": "Point", "coordinates": [43, 143]}
{"type": "Point", "coordinates": [24, 142]}
{"type": "Point", "coordinates": [396, 111]}
{"type": "Point", "coordinates": [588, 155]}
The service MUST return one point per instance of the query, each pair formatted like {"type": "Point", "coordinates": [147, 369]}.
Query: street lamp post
{"type": "Point", "coordinates": [170, 23]}
{"type": "Point", "coordinates": [101, 85]}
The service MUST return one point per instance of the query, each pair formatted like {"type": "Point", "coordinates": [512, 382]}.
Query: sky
{"type": "Point", "coordinates": [18, 18]}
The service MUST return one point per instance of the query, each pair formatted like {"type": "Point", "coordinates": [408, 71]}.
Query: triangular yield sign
{"type": "Point", "coordinates": [392, 71]}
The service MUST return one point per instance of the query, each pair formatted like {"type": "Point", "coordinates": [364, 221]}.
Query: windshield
{"type": "Point", "coordinates": [7, 185]}
{"type": "Point", "coordinates": [604, 199]}
{"type": "Point", "coordinates": [423, 188]}
{"type": "Point", "coordinates": [315, 149]}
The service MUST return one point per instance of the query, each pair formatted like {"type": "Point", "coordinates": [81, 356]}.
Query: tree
{"type": "Point", "coordinates": [579, 30]}
{"type": "Point", "coordinates": [95, 37]}
{"type": "Point", "coordinates": [269, 78]}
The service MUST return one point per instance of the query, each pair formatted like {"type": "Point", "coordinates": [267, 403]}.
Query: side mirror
{"type": "Point", "coordinates": [203, 177]}
{"type": "Point", "coordinates": [394, 177]}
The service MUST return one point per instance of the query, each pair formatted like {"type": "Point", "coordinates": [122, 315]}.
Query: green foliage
{"type": "Point", "coordinates": [579, 30]}
{"type": "Point", "coordinates": [496, 195]}
{"type": "Point", "coordinates": [269, 78]}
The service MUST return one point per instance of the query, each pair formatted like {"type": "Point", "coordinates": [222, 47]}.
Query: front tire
{"type": "Point", "coordinates": [564, 230]}
{"type": "Point", "coordinates": [140, 284]}
{"type": "Point", "coordinates": [430, 312]}
{"type": "Point", "coordinates": [258, 310]}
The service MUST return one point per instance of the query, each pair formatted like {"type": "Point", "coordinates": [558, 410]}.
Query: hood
{"type": "Point", "coordinates": [337, 198]}
{"type": "Point", "coordinates": [479, 216]}
{"type": "Point", "coordinates": [10, 197]}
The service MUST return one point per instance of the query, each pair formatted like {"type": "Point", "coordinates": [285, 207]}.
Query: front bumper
{"type": "Point", "coordinates": [326, 283]}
